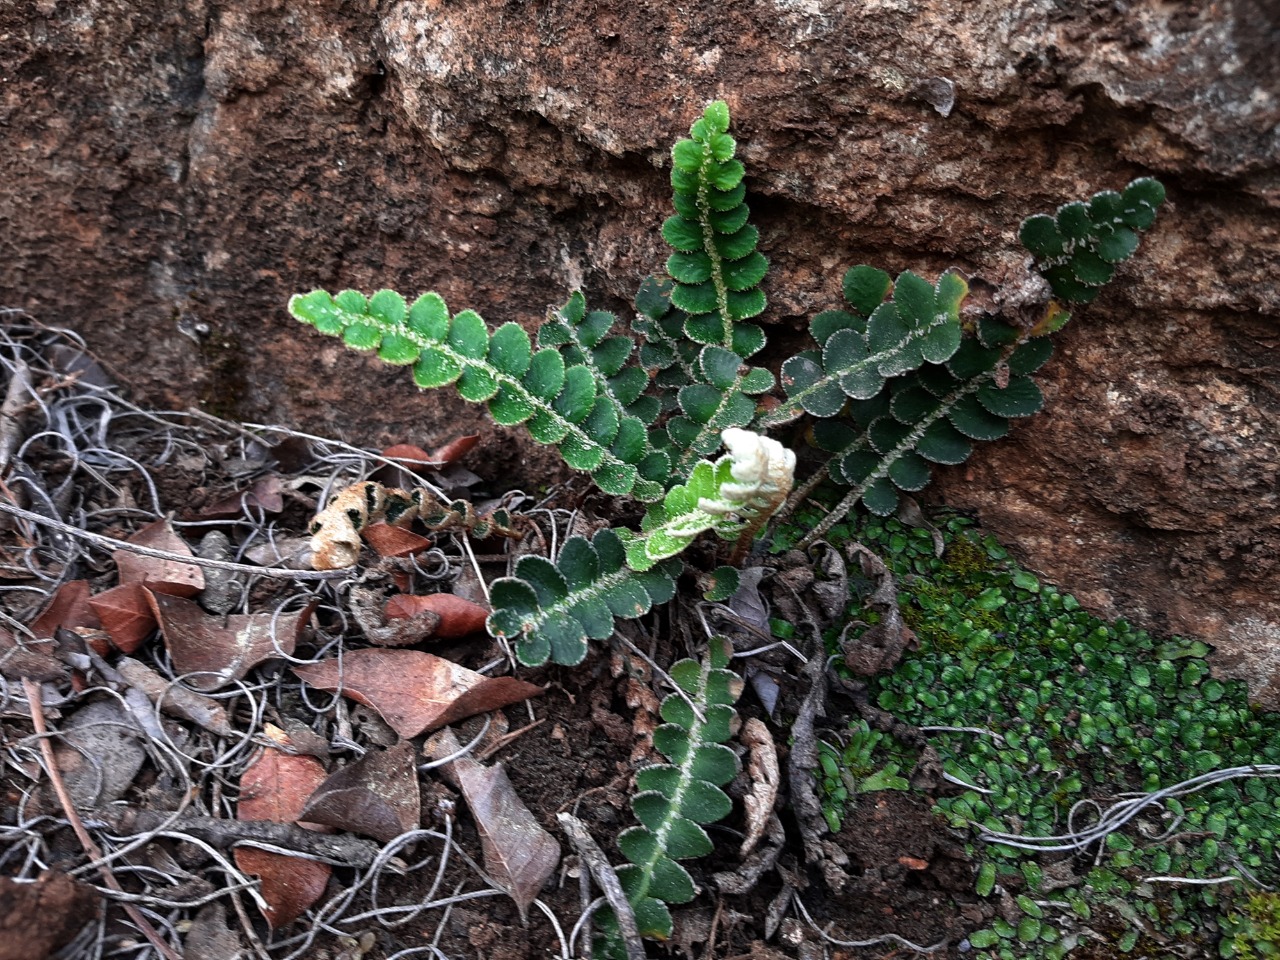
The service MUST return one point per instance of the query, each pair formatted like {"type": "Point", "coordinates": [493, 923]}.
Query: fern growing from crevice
{"type": "Point", "coordinates": [558, 403]}
{"type": "Point", "coordinates": [896, 383]}
{"type": "Point", "coordinates": [716, 268]}
{"type": "Point", "coordinates": [715, 274]}
{"type": "Point", "coordinates": [898, 380]}
{"type": "Point", "coordinates": [1079, 247]}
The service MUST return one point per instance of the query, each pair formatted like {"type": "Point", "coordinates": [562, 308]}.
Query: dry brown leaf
{"type": "Point", "coordinates": [44, 916]}
{"type": "Point", "coordinates": [415, 692]}
{"type": "Point", "coordinates": [161, 576]}
{"type": "Point", "coordinates": [762, 769]}
{"type": "Point", "coordinates": [366, 602]}
{"type": "Point", "coordinates": [34, 659]}
{"type": "Point", "coordinates": [391, 541]}
{"type": "Point", "coordinates": [456, 449]}
{"type": "Point", "coordinates": [276, 787]}
{"type": "Point", "coordinates": [264, 494]}
{"type": "Point", "coordinates": [880, 647]}
{"type": "Point", "coordinates": [409, 456]}
{"type": "Point", "coordinates": [519, 855]}
{"type": "Point", "coordinates": [458, 617]}
{"type": "Point", "coordinates": [69, 608]}
{"type": "Point", "coordinates": [218, 654]}
{"type": "Point", "coordinates": [126, 615]}
{"type": "Point", "coordinates": [408, 463]}
{"type": "Point", "coordinates": [377, 795]}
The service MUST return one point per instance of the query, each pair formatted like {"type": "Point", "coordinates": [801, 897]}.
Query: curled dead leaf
{"type": "Point", "coordinates": [377, 796]}
{"type": "Point", "coordinates": [415, 692]}
{"type": "Point", "coordinates": [410, 456]}
{"type": "Point", "coordinates": [175, 699]}
{"type": "Point", "coordinates": [456, 449]}
{"type": "Point", "coordinates": [762, 769]}
{"type": "Point", "coordinates": [367, 602]}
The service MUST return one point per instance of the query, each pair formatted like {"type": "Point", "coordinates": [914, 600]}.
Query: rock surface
{"type": "Point", "coordinates": [173, 171]}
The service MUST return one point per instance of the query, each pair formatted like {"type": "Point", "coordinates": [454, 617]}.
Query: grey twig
{"type": "Point", "coordinates": [593, 859]}
{"type": "Point", "coordinates": [339, 849]}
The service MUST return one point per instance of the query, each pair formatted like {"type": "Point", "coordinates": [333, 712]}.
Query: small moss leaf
{"type": "Point", "coordinates": [984, 938]}
{"type": "Point", "coordinates": [986, 879]}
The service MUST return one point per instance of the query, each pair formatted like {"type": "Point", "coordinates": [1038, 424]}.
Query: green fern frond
{"type": "Point", "coordinates": [1079, 247]}
{"type": "Point", "coordinates": [675, 800]}
{"type": "Point", "coordinates": [858, 352]}
{"type": "Point", "coordinates": [586, 339]}
{"type": "Point", "coordinates": [931, 416]}
{"type": "Point", "coordinates": [550, 609]}
{"type": "Point", "coordinates": [715, 285]}
{"type": "Point", "coordinates": [670, 358]}
{"type": "Point", "coordinates": [559, 404]}
{"type": "Point", "coordinates": [716, 268]}
{"type": "Point", "coordinates": [721, 398]}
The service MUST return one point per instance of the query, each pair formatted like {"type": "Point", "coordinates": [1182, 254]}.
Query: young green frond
{"type": "Point", "coordinates": [733, 497]}
{"type": "Point", "coordinates": [716, 268]}
{"type": "Point", "coordinates": [560, 403]}
{"type": "Point", "coordinates": [1079, 247]}
{"type": "Point", "coordinates": [675, 800]}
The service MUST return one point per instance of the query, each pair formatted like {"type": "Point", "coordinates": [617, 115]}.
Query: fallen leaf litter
{"type": "Point", "coordinates": [187, 714]}
{"type": "Point", "coordinates": [156, 674]}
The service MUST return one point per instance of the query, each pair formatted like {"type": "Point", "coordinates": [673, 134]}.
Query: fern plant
{"type": "Point", "coordinates": [897, 380]}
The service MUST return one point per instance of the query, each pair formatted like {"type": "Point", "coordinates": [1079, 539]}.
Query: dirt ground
{"type": "Point", "coordinates": [82, 462]}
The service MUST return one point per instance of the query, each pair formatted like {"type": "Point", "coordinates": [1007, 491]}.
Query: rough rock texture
{"type": "Point", "coordinates": [174, 170]}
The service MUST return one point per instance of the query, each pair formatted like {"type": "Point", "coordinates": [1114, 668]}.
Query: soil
{"type": "Point", "coordinates": [895, 869]}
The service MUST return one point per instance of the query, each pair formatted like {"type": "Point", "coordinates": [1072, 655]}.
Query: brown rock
{"type": "Point", "coordinates": [175, 171]}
